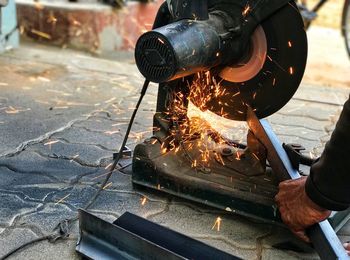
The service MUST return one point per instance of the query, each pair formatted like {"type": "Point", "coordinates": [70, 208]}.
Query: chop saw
{"type": "Point", "coordinates": [242, 61]}
{"type": "Point", "coordinates": [220, 58]}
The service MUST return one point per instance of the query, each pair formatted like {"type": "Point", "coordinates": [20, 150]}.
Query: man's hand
{"type": "Point", "coordinates": [297, 210]}
{"type": "Point", "coordinates": [347, 247]}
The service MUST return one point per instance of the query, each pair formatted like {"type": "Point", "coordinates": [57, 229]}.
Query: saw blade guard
{"type": "Point", "coordinates": [268, 74]}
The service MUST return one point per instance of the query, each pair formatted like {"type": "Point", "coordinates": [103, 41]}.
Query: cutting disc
{"type": "Point", "coordinates": [269, 74]}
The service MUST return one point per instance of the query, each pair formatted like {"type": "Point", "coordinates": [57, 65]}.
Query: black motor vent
{"type": "Point", "coordinates": [155, 57]}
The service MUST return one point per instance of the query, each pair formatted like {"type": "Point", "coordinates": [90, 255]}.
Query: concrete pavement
{"type": "Point", "coordinates": [63, 114]}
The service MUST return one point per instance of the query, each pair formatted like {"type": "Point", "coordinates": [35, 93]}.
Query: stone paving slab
{"type": "Point", "coordinates": [45, 250]}
{"type": "Point", "coordinates": [51, 96]}
{"type": "Point", "coordinates": [59, 170]}
{"type": "Point", "coordinates": [47, 218]}
{"type": "Point", "coordinates": [66, 115]}
{"type": "Point", "coordinates": [15, 238]}
{"type": "Point", "coordinates": [120, 180]}
{"type": "Point", "coordinates": [13, 204]}
{"type": "Point", "coordinates": [85, 154]}
{"type": "Point", "coordinates": [105, 140]}
{"type": "Point", "coordinates": [16, 179]}
{"type": "Point", "coordinates": [201, 222]}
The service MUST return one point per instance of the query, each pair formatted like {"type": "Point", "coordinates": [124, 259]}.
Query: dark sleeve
{"type": "Point", "coordinates": [329, 182]}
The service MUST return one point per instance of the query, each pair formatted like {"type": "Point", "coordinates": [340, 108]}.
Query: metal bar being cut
{"type": "Point", "coordinates": [322, 235]}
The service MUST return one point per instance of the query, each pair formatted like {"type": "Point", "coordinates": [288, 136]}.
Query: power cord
{"type": "Point", "coordinates": [120, 153]}
{"type": "Point", "coordinates": [62, 230]}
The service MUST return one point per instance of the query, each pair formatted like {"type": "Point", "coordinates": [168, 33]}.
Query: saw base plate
{"type": "Point", "coordinates": [241, 185]}
{"type": "Point", "coordinates": [230, 191]}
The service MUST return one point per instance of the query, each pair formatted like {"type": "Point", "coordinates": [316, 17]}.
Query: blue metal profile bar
{"type": "Point", "coordinates": [322, 235]}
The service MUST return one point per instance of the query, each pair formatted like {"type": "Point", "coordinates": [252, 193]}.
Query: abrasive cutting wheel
{"type": "Point", "coordinates": [270, 72]}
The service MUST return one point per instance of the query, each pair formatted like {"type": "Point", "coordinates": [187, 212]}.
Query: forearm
{"type": "Point", "coordinates": [329, 182]}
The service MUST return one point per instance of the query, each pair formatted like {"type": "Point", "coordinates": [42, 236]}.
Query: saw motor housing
{"type": "Point", "coordinates": [187, 46]}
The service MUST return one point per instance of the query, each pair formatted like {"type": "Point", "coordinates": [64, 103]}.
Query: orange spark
{"type": "Point", "coordinates": [61, 200]}
{"type": "Point", "coordinates": [76, 23]}
{"type": "Point", "coordinates": [43, 79]}
{"type": "Point", "coordinates": [291, 71]}
{"type": "Point", "coordinates": [217, 224]}
{"type": "Point", "coordinates": [289, 44]}
{"type": "Point", "coordinates": [311, 155]}
{"type": "Point", "coordinates": [51, 142]}
{"type": "Point", "coordinates": [160, 40]}
{"type": "Point", "coordinates": [111, 132]}
{"type": "Point", "coordinates": [219, 157]}
{"type": "Point", "coordinates": [246, 10]}
{"type": "Point", "coordinates": [154, 141]}
{"type": "Point", "coordinates": [109, 165]}
{"type": "Point", "coordinates": [143, 201]}
{"type": "Point", "coordinates": [256, 157]}
{"type": "Point", "coordinates": [118, 124]}
{"type": "Point", "coordinates": [194, 164]}
{"type": "Point", "coordinates": [110, 100]}
{"type": "Point", "coordinates": [74, 157]}
{"type": "Point", "coordinates": [11, 110]}
{"type": "Point", "coordinates": [238, 156]}
{"type": "Point", "coordinates": [99, 176]}
{"type": "Point", "coordinates": [107, 185]}
{"type": "Point", "coordinates": [236, 94]}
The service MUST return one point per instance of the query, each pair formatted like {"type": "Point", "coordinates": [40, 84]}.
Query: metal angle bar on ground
{"type": "Point", "coordinates": [132, 237]}
{"type": "Point", "coordinates": [322, 235]}
{"type": "Point", "coordinates": [100, 239]}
